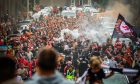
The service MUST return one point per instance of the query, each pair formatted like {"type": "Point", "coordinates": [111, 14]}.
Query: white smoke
{"type": "Point", "coordinates": [74, 33]}
{"type": "Point", "coordinates": [98, 29]}
{"type": "Point", "coordinates": [117, 7]}
{"type": "Point", "coordinates": [100, 26]}
{"type": "Point", "coordinates": [95, 29]}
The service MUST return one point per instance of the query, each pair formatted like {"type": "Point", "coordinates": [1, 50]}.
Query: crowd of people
{"type": "Point", "coordinates": [74, 54]}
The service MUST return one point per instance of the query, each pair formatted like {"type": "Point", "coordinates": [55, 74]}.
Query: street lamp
{"type": "Point", "coordinates": [73, 2]}
{"type": "Point", "coordinates": [81, 2]}
{"type": "Point", "coordinates": [89, 2]}
{"type": "Point", "coordinates": [28, 3]}
{"type": "Point", "coordinates": [34, 2]}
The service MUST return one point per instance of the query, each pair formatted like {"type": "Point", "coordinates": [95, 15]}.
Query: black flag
{"type": "Point", "coordinates": [123, 29]}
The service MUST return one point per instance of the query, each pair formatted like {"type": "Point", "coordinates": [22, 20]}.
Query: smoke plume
{"type": "Point", "coordinates": [100, 26]}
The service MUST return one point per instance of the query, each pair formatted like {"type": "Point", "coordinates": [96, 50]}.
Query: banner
{"type": "Point", "coordinates": [123, 29]}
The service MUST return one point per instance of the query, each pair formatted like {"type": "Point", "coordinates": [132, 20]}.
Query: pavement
{"type": "Point", "coordinates": [116, 79]}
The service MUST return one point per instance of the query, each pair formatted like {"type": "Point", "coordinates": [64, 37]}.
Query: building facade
{"type": "Point", "coordinates": [19, 7]}
{"type": "Point", "coordinates": [64, 2]}
{"type": "Point", "coordinates": [13, 8]}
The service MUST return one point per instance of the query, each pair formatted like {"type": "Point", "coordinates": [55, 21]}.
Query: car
{"type": "Point", "coordinates": [73, 8]}
{"type": "Point", "coordinates": [45, 12]}
{"type": "Point", "coordinates": [22, 25]}
{"type": "Point", "coordinates": [25, 22]}
{"type": "Point", "coordinates": [48, 8]}
{"type": "Point", "coordinates": [79, 9]}
{"type": "Point", "coordinates": [88, 8]}
{"type": "Point", "coordinates": [69, 13]}
{"type": "Point", "coordinates": [36, 16]}
{"type": "Point", "coordinates": [22, 28]}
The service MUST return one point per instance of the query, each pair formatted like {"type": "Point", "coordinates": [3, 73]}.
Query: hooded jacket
{"type": "Point", "coordinates": [57, 78]}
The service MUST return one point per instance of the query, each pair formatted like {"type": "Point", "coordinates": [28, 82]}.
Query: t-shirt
{"type": "Point", "coordinates": [95, 76]}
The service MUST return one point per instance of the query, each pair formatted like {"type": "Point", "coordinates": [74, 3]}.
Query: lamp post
{"type": "Point", "coordinates": [81, 2]}
{"type": "Point", "coordinates": [28, 9]}
{"type": "Point", "coordinates": [34, 2]}
{"type": "Point", "coordinates": [73, 2]}
{"type": "Point", "coordinates": [89, 2]}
